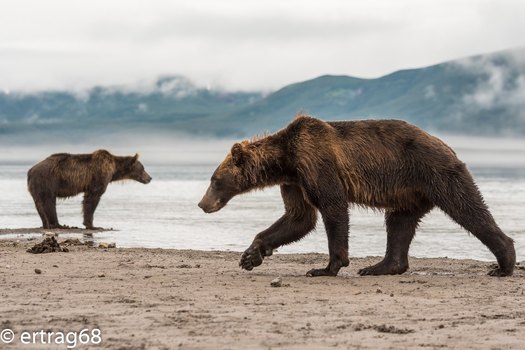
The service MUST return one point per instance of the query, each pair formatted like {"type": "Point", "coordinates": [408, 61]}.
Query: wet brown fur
{"type": "Point", "coordinates": [65, 175]}
{"type": "Point", "coordinates": [325, 166]}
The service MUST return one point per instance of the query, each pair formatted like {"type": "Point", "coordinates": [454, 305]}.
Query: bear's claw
{"type": "Point", "coordinates": [251, 258]}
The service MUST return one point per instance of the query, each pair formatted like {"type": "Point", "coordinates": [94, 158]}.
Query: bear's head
{"type": "Point", "coordinates": [235, 175]}
{"type": "Point", "coordinates": [135, 170]}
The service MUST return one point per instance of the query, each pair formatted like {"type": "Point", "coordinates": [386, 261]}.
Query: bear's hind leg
{"type": "Point", "coordinates": [50, 210]}
{"type": "Point", "coordinates": [465, 205]}
{"type": "Point", "coordinates": [39, 204]}
{"type": "Point", "coordinates": [482, 225]}
{"type": "Point", "coordinates": [401, 228]}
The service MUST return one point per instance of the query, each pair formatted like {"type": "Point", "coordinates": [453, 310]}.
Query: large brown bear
{"type": "Point", "coordinates": [324, 166]}
{"type": "Point", "coordinates": [65, 175]}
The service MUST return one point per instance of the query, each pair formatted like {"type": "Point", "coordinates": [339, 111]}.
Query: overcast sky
{"type": "Point", "coordinates": [240, 44]}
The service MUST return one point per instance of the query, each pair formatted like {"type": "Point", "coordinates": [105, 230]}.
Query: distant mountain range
{"type": "Point", "coordinates": [480, 95]}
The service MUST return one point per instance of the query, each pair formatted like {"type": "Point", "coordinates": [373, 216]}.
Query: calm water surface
{"type": "Point", "coordinates": [164, 214]}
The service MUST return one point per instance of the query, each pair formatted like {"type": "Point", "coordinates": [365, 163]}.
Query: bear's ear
{"type": "Point", "coordinates": [237, 154]}
{"type": "Point", "coordinates": [130, 161]}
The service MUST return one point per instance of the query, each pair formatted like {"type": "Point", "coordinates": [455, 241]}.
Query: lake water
{"type": "Point", "coordinates": [164, 214]}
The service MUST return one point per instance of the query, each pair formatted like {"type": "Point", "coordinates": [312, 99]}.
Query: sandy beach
{"type": "Point", "coordinates": [166, 299]}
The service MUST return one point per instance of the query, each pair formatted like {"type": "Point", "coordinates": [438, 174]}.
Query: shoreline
{"type": "Point", "coordinates": [164, 298]}
{"type": "Point", "coordinates": [57, 231]}
{"type": "Point", "coordinates": [33, 234]}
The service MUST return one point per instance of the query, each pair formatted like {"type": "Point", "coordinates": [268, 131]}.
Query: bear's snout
{"type": "Point", "coordinates": [207, 207]}
{"type": "Point", "coordinates": [145, 178]}
{"type": "Point", "coordinates": [210, 203]}
{"type": "Point", "coordinates": [201, 205]}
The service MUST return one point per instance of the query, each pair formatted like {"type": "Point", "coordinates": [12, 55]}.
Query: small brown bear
{"type": "Point", "coordinates": [324, 166]}
{"type": "Point", "coordinates": [65, 175]}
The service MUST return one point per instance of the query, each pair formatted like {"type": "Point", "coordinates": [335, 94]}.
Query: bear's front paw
{"type": "Point", "coordinates": [251, 258]}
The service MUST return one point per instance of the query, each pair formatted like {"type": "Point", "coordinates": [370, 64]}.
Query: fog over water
{"type": "Point", "coordinates": [164, 213]}
{"type": "Point", "coordinates": [162, 148]}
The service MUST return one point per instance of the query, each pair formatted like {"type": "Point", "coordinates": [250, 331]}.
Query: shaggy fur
{"type": "Point", "coordinates": [324, 166]}
{"type": "Point", "coordinates": [65, 175]}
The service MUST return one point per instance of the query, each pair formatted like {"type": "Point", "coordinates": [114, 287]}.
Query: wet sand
{"type": "Point", "coordinates": [166, 299]}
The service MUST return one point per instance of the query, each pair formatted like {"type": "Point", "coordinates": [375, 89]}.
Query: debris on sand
{"type": "Point", "coordinates": [184, 266]}
{"type": "Point", "coordinates": [72, 242]}
{"type": "Point", "coordinates": [181, 266]}
{"type": "Point", "coordinates": [48, 245]}
{"type": "Point", "coordinates": [277, 282]}
{"type": "Point", "coordinates": [38, 271]}
{"type": "Point", "coordinates": [391, 329]}
{"type": "Point", "coordinates": [104, 245]}
{"type": "Point", "coordinates": [383, 328]}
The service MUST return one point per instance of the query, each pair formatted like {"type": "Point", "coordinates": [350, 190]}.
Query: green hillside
{"type": "Point", "coordinates": [481, 95]}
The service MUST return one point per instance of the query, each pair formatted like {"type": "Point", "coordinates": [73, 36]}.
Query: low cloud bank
{"type": "Point", "coordinates": [161, 149]}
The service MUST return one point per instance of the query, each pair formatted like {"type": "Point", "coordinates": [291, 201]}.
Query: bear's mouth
{"type": "Point", "coordinates": [208, 209]}
{"type": "Point", "coordinates": [146, 180]}
{"type": "Point", "coordinates": [211, 210]}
